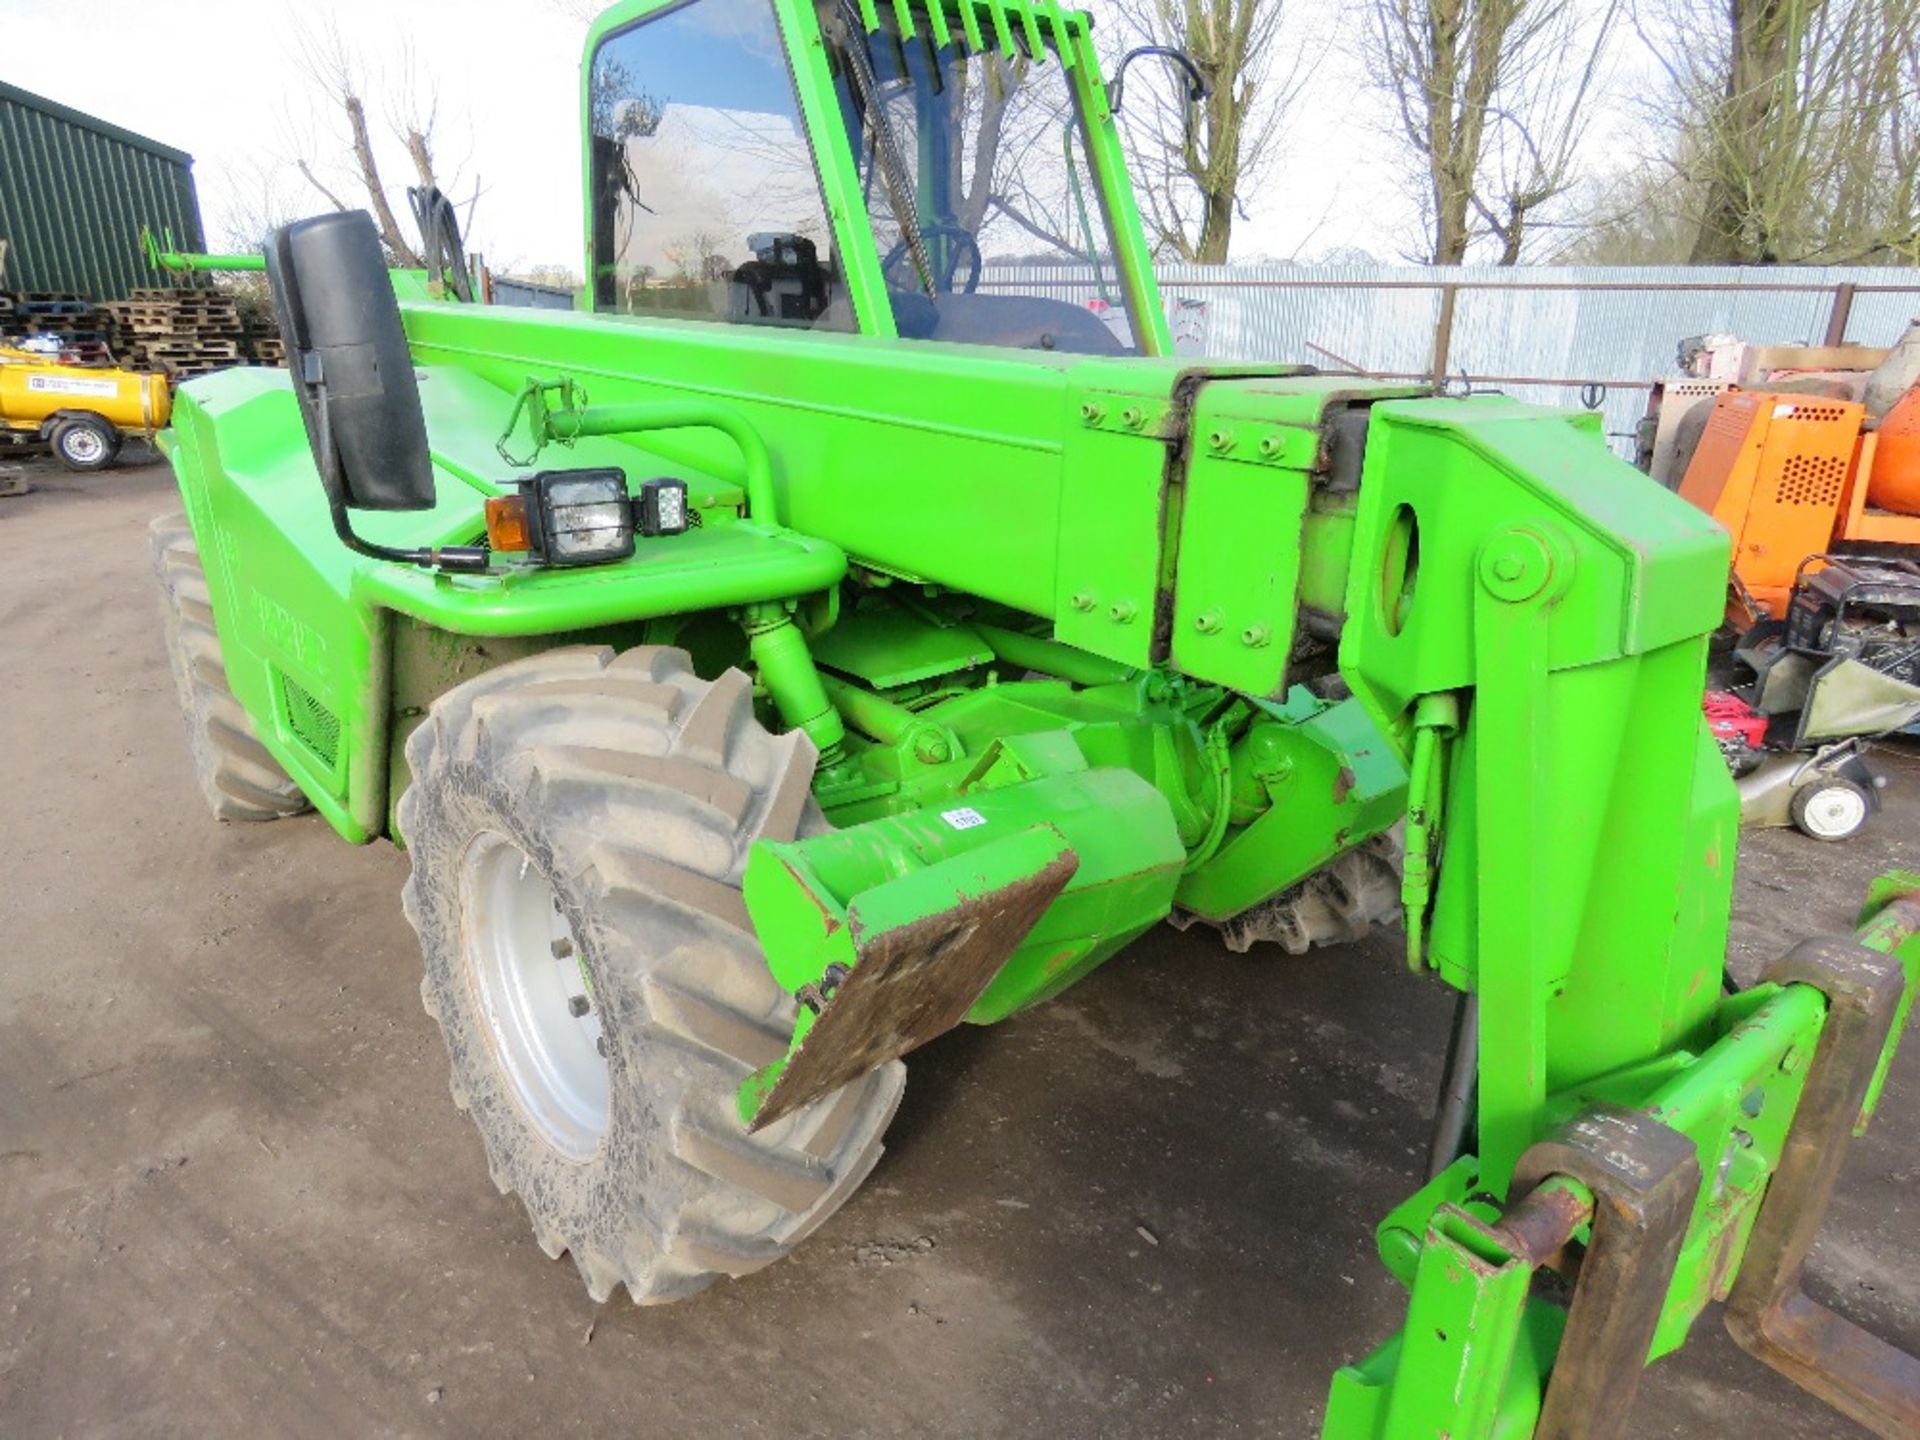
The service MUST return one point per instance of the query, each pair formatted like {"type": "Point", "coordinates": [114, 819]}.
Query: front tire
{"type": "Point", "coordinates": [577, 824]}
{"type": "Point", "coordinates": [236, 774]}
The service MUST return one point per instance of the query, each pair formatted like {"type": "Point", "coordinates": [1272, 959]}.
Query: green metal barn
{"type": "Point", "coordinates": [74, 194]}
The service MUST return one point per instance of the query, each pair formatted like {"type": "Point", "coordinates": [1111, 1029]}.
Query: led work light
{"type": "Point", "coordinates": [584, 517]}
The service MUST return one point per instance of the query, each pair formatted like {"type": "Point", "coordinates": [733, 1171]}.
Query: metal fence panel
{"type": "Point", "coordinates": [1539, 334]}
{"type": "Point", "coordinates": [531, 294]}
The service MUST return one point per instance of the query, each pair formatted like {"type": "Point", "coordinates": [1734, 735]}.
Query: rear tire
{"type": "Point", "coordinates": [577, 825]}
{"type": "Point", "coordinates": [85, 443]}
{"type": "Point", "coordinates": [238, 777]}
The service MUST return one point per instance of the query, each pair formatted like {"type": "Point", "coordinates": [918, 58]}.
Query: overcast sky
{"type": "Point", "coordinates": [221, 79]}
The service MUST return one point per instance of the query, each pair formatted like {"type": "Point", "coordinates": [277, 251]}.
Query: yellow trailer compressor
{"type": "Point", "coordinates": [83, 413]}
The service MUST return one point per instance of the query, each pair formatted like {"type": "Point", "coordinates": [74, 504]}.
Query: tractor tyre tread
{"type": "Point", "coordinates": [638, 788]}
{"type": "Point", "coordinates": [237, 776]}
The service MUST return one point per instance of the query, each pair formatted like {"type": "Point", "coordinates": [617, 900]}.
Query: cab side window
{"type": "Point", "coordinates": [706, 202]}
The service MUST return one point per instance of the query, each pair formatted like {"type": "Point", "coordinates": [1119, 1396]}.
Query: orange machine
{"type": "Point", "coordinates": [1893, 478]}
{"type": "Point", "coordinates": [1793, 475]}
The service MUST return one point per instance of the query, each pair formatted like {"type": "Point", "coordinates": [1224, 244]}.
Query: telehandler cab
{"type": "Point", "coordinates": [816, 643]}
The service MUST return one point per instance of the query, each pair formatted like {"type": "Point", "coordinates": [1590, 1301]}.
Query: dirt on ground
{"type": "Point", "coordinates": [235, 1199]}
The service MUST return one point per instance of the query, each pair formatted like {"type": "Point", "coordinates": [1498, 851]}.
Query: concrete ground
{"type": "Point", "coordinates": [235, 1199]}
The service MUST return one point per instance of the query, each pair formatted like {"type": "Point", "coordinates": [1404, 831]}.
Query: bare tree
{"type": "Point", "coordinates": [1628, 217]}
{"type": "Point", "coordinates": [339, 76]}
{"type": "Point", "coordinates": [1490, 99]}
{"type": "Point", "coordinates": [342, 159]}
{"type": "Point", "coordinates": [1020, 160]}
{"type": "Point", "coordinates": [1789, 130]}
{"type": "Point", "coordinates": [1193, 161]}
{"type": "Point", "coordinates": [256, 203]}
{"type": "Point", "coordinates": [581, 12]}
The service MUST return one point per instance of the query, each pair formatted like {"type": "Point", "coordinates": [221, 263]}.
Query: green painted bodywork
{"type": "Point", "coordinates": [1734, 1096]}
{"type": "Point", "coordinates": [1097, 601]}
{"type": "Point", "coordinates": [1116, 824]}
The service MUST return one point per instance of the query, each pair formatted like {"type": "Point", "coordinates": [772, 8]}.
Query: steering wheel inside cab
{"type": "Point", "coordinates": [944, 259]}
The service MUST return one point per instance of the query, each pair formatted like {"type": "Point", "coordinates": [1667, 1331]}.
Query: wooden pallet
{"type": "Point", "coordinates": [75, 327]}
{"type": "Point", "coordinates": [180, 332]}
{"type": "Point", "coordinates": [194, 349]}
{"type": "Point", "coordinates": [183, 332]}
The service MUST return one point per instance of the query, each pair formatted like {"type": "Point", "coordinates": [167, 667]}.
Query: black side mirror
{"type": "Point", "coordinates": [351, 368]}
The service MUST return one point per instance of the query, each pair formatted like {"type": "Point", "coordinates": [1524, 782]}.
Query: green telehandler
{"type": "Point", "coordinates": [813, 642]}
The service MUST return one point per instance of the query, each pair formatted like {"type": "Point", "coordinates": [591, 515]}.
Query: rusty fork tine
{"type": "Point", "coordinates": [1644, 1178]}
{"type": "Point", "coordinates": [1768, 1313]}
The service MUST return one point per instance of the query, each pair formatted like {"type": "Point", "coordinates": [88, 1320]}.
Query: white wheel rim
{"type": "Point", "coordinates": [83, 446]}
{"type": "Point", "coordinates": [1835, 812]}
{"type": "Point", "coordinates": [535, 1003]}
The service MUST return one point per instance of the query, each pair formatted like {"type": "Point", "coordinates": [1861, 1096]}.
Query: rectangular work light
{"type": "Point", "coordinates": [584, 517]}
{"type": "Point", "coordinates": [579, 517]}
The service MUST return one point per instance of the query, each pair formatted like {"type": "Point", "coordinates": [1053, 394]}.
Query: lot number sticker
{"type": "Point", "coordinates": [963, 819]}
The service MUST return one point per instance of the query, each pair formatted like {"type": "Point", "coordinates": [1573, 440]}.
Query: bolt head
{"type": "Point", "coordinates": [1122, 612]}
{"type": "Point", "coordinates": [1516, 566]}
{"type": "Point", "coordinates": [1082, 601]}
{"type": "Point", "coordinates": [1255, 637]}
{"type": "Point", "coordinates": [1207, 623]}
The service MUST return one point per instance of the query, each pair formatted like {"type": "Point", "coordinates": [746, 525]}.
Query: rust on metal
{"type": "Point", "coordinates": [1645, 1178]}
{"type": "Point", "coordinates": [1539, 1227]}
{"type": "Point", "coordinates": [911, 983]}
{"type": "Point", "coordinates": [1768, 1313]}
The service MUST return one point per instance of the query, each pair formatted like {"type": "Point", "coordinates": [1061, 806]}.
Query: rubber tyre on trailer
{"type": "Point", "coordinates": [84, 442]}
{"type": "Point", "coordinates": [577, 823]}
{"type": "Point", "coordinates": [1831, 810]}
{"type": "Point", "coordinates": [239, 779]}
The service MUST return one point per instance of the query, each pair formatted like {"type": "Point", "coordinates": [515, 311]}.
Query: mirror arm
{"type": "Point", "coordinates": [1197, 87]}
{"type": "Point", "coordinates": [468, 558]}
